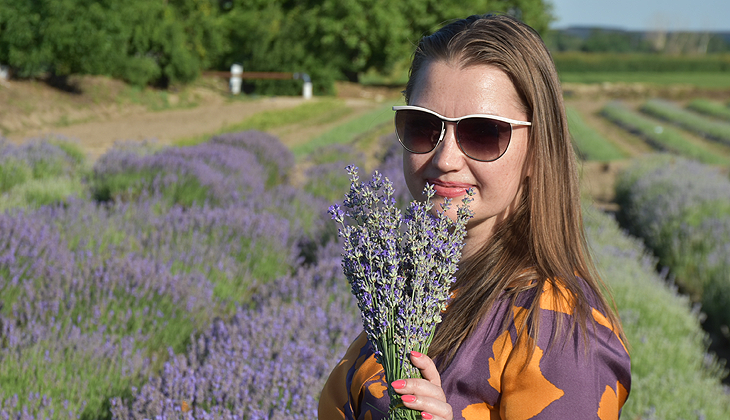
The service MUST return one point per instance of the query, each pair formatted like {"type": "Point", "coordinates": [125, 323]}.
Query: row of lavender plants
{"type": "Point", "coordinates": [183, 284]}
{"type": "Point", "coordinates": [681, 209]}
{"type": "Point", "coordinates": [707, 127]}
{"type": "Point", "coordinates": [711, 108]}
{"type": "Point", "coordinates": [589, 144]}
{"type": "Point", "coordinates": [660, 136]}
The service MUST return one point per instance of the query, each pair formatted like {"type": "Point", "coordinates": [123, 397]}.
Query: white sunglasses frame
{"type": "Point", "coordinates": [509, 121]}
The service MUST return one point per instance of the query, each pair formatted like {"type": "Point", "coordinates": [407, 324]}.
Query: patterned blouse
{"type": "Point", "coordinates": [492, 375]}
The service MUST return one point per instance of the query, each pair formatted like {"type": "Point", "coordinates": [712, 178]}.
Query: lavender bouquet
{"type": "Point", "coordinates": [400, 268]}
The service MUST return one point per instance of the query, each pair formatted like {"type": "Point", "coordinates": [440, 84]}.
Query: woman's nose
{"type": "Point", "coordinates": [448, 156]}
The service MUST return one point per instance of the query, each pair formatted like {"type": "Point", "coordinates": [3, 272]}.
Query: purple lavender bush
{"type": "Point", "coordinates": [268, 149]}
{"type": "Point", "coordinates": [78, 328]}
{"type": "Point", "coordinates": [681, 209]}
{"type": "Point", "coordinates": [41, 171]}
{"type": "Point", "coordinates": [669, 349]}
{"type": "Point", "coordinates": [43, 157]}
{"type": "Point", "coordinates": [207, 172]}
{"type": "Point", "coordinates": [400, 268]}
{"type": "Point", "coordinates": [269, 361]}
{"type": "Point", "coordinates": [323, 174]}
{"type": "Point", "coordinates": [93, 296]}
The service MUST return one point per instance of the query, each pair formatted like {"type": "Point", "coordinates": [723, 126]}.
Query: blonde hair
{"type": "Point", "coordinates": [544, 239]}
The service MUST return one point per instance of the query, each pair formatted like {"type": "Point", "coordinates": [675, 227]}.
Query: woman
{"type": "Point", "coordinates": [527, 334]}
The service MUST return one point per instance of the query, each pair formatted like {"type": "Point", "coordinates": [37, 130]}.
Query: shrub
{"type": "Point", "coordinates": [245, 364]}
{"type": "Point", "coordinates": [207, 172]}
{"type": "Point", "coordinates": [40, 172]}
{"type": "Point", "coordinates": [681, 209]}
{"type": "Point", "coordinates": [269, 151]}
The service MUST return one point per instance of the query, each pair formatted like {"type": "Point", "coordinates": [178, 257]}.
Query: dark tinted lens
{"type": "Point", "coordinates": [483, 138]}
{"type": "Point", "coordinates": [418, 131]}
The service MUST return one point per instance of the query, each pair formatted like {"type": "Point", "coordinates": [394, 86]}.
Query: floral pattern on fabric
{"type": "Point", "coordinates": [494, 375]}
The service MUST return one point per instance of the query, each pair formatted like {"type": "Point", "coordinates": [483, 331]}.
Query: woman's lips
{"type": "Point", "coordinates": [449, 189]}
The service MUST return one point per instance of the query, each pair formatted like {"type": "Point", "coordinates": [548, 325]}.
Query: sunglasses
{"type": "Point", "coordinates": [481, 137]}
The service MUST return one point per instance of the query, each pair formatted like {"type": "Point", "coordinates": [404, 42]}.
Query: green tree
{"type": "Point", "coordinates": [140, 41]}
{"type": "Point", "coordinates": [340, 39]}
{"type": "Point", "coordinates": [171, 41]}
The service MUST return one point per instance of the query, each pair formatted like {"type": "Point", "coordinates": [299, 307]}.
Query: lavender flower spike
{"type": "Point", "coordinates": [400, 269]}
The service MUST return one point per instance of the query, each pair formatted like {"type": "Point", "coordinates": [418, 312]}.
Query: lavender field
{"type": "Point", "coordinates": [204, 282]}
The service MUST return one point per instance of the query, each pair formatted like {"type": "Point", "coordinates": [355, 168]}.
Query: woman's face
{"type": "Point", "coordinates": [455, 92]}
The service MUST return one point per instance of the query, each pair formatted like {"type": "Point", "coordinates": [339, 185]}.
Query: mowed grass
{"type": "Point", "coordinates": [373, 121]}
{"type": "Point", "coordinates": [319, 111]}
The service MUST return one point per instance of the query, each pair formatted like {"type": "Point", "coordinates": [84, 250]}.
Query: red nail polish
{"type": "Point", "coordinates": [399, 384]}
{"type": "Point", "coordinates": [408, 398]}
{"type": "Point", "coordinates": [416, 354]}
{"type": "Point", "coordinates": [426, 416]}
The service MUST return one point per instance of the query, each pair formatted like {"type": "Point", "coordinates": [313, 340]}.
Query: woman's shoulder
{"type": "Point", "coordinates": [552, 369]}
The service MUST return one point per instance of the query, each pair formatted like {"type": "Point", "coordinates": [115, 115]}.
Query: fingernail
{"type": "Point", "coordinates": [408, 398]}
{"type": "Point", "coordinates": [416, 354]}
{"type": "Point", "coordinates": [399, 384]}
{"type": "Point", "coordinates": [426, 416]}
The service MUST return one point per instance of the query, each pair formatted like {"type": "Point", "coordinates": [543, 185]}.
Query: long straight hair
{"type": "Point", "coordinates": [543, 240]}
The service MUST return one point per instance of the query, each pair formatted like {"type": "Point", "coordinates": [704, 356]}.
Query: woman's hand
{"type": "Point", "coordinates": [424, 395]}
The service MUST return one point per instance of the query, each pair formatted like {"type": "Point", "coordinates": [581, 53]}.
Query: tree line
{"type": "Point", "coordinates": [164, 42]}
{"type": "Point", "coordinates": [601, 40]}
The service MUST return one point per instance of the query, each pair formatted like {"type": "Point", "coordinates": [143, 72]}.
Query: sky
{"type": "Point", "coordinates": [694, 15]}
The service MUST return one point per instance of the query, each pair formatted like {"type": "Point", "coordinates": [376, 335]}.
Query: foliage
{"type": "Point", "coordinates": [335, 39]}
{"type": "Point", "coordinates": [589, 144]}
{"type": "Point", "coordinates": [595, 40]}
{"type": "Point", "coordinates": [684, 79]}
{"type": "Point", "coordinates": [167, 42]}
{"type": "Point", "coordinates": [139, 41]}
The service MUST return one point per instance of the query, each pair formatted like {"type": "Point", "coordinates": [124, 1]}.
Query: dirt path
{"type": "Point", "coordinates": [163, 126]}
{"type": "Point", "coordinates": [96, 118]}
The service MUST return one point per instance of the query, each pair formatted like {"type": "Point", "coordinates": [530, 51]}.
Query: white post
{"type": "Point", "coordinates": [307, 88]}
{"type": "Point", "coordinates": [235, 81]}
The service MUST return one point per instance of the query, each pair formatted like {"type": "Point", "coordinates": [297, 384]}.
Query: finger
{"type": "Point", "coordinates": [427, 367]}
{"type": "Point", "coordinates": [429, 407]}
{"type": "Point", "coordinates": [428, 416]}
{"type": "Point", "coordinates": [420, 387]}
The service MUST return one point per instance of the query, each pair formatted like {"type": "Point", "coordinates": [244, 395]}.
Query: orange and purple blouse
{"type": "Point", "coordinates": [494, 375]}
